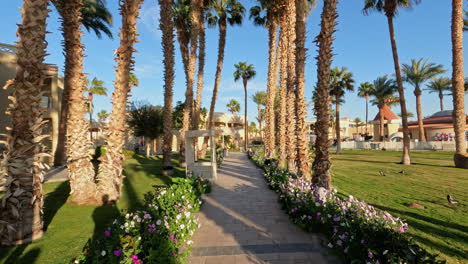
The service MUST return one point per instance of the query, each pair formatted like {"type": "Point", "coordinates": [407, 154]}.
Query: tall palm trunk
{"type": "Point", "coordinates": [110, 170]}
{"type": "Point", "coordinates": [80, 169]}
{"type": "Point", "coordinates": [188, 107]}
{"type": "Point", "coordinates": [405, 159]}
{"type": "Point", "coordinates": [271, 89]}
{"type": "Point", "coordinates": [219, 68]}
{"type": "Point", "coordinates": [283, 93]}
{"type": "Point", "coordinates": [338, 125]}
{"type": "Point", "coordinates": [301, 111]}
{"type": "Point", "coordinates": [459, 115]}
{"type": "Point", "coordinates": [90, 102]}
{"type": "Point", "coordinates": [322, 163]}
{"type": "Point", "coordinates": [441, 100]}
{"type": "Point", "coordinates": [381, 123]}
{"type": "Point", "coordinates": [59, 155]}
{"type": "Point", "coordinates": [367, 112]}
{"type": "Point", "coordinates": [21, 207]}
{"type": "Point", "coordinates": [201, 66]}
{"type": "Point", "coordinates": [291, 149]}
{"type": "Point", "coordinates": [246, 123]}
{"type": "Point", "coordinates": [167, 27]}
{"type": "Point", "coordinates": [421, 134]}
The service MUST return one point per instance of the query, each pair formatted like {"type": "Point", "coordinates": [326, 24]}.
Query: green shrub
{"type": "Point", "coordinates": [99, 152]}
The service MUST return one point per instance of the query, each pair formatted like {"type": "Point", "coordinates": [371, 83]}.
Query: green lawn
{"type": "Point", "coordinates": [68, 227]}
{"type": "Point", "coordinates": [440, 227]}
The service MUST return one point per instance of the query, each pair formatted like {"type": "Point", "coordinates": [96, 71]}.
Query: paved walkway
{"type": "Point", "coordinates": [242, 222]}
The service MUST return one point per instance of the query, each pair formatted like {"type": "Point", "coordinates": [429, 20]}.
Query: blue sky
{"type": "Point", "coordinates": [362, 45]}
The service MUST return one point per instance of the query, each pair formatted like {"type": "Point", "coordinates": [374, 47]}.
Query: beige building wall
{"type": "Point", "coordinates": [391, 126]}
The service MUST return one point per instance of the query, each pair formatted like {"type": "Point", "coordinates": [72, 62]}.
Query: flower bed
{"type": "Point", "coordinates": [356, 231]}
{"type": "Point", "coordinates": [158, 234]}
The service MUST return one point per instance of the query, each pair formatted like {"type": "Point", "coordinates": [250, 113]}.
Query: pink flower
{"type": "Point", "coordinates": [401, 229]}
{"type": "Point", "coordinates": [118, 252]}
{"type": "Point", "coordinates": [174, 254]}
{"type": "Point", "coordinates": [138, 262]}
{"type": "Point", "coordinates": [171, 237]}
{"type": "Point", "coordinates": [107, 233]}
{"type": "Point", "coordinates": [134, 257]}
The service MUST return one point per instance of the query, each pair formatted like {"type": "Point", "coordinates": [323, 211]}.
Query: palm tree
{"type": "Point", "coordinates": [166, 25]}
{"type": "Point", "coordinates": [260, 98]}
{"type": "Point", "coordinates": [21, 208]}
{"type": "Point", "coordinates": [103, 115]}
{"type": "Point", "coordinates": [110, 176]}
{"type": "Point", "coordinates": [383, 94]}
{"type": "Point", "coordinates": [95, 17]}
{"type": "Point", "coordinates": [221, 12]}
{"type": "Point", "coordinates": [439, 85]}
{"type": "Point", "coordinates": [340, 81]}
{"type": "Point", "coordinates": [245, 72]}
{"type": "Point", "coordinates": [358, 123]}
{"type": "Point", "coordinates": [201, 67]}
{"type": "Point", "coordinates": [233, 106]}
{"type": "Point", "coordinates": [95, 87]}
{"type": "Point", "coordinates": [322, 163]}
{"type": "Point", "coordinates": [416, 74]}
{"type": "Point", "coordinates": [271, 21]}
{"type": "Point", "coordinates": [363, 91]}
{"type": "Point", "coordinates": [282, 93]}
{"type": "Point", "coordinates": [390, 9]}
{"type": "Point", "coordinates": [80, 169]}
{"type": "Point", "coordinates": [459, 115]}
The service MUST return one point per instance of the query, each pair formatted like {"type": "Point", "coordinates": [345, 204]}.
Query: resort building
{"type": "Point", "coordinates": [437, 127]}
{"type": "Point", "coordinates": [391, 125]}
{"type": "Point", "coordinates": [51, 100]}
{"type": "Point", "coordinates": [348, 127]}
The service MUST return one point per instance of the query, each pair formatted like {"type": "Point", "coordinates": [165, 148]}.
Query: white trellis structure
{"type": "Point", "coordinates": [205, 169]}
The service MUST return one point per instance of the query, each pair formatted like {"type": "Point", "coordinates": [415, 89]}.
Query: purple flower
{"type": "Point", "coordinates": [107, 233]}
{"type": "Point", "coordinates": [346, 250]}
{"type": "Point", "coordinates": [370, 255]}
{"type": "Point", "coordinates": [171, 237]}
{"type": "Point", "coordinates": [118, 252]}
{"type": "Point", "coordinates": [134, 257]}
{"type": "Point", "coordinates": [151, 230]}
{"type": "Point", "coordinates": [319, 216]}
{"type": "Point", "coordinates": [339, 243]}
{"type": "Point", "coordinates": [336, 219]}
{"type": "Point", "coordinates": [309, 217]}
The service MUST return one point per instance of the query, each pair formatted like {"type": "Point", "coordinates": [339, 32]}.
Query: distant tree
{"type": "Point", "coordinates": [178, 115]}
{"type": "Point", "coordinates": [93, 87]}
{"type": "Point", "coordinates": [363, 91]}
{"type": "Point", "coordinates": [146, 121]}
{"type": "Point", "coordinates": [260, 99]}
{"type": "Point", "coordinates": [440, 85]}
{"type": "Point", "coordinates": [245, 72]}
{"type": "Point", "coordinates": [233, 106]}
{"type": "Point", "coordinates": [358, 123]}
{"type": "Point", "coordinates": [103, 115]}
{"type": "Point", "coordinates": [383, 94]}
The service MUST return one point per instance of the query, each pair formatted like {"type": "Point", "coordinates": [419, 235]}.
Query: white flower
{"type": "Point", "coordinates": [103, 253]}
{"type": "Point", "coordinates": [127, 230]}
{"type": "Point", "coordinates": [139, 238]}
{"type": "Point", "coordinates": [187, 214]}
{"type": "Point", "coordinates": [317, 204]}
{"type": "Point", "coordinates": [127, 216]}
{"type": "Point", "coordinates": [126, 224]}
{"type": "Point", "coordinates": [182, 226]}
{"type": "Point", "coordinates": [178, 216]}
{"type": "Point", "coordinates": [163, 192]}
{"type": "Point", "coordinates": [189, 242]}
{"type": "Point", "coordinates": [385, 252]}
{"type": "Point", "coordinates": [77, 261]}
{"type": "Point", "coordinates": [158, 222]}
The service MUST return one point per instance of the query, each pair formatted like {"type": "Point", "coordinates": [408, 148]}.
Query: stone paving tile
{"type": "Point", "coordinates": [242, 222]}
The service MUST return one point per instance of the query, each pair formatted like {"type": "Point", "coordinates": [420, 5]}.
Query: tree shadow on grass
{"type": "Point", "coordinates": [54, 201]}
{"type": "Point", "coordinates": [17, 256]}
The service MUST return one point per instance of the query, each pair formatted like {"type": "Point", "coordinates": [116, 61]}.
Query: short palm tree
{"type": "Point", "coordinates": [233, 106]}
{"type": "Point", "coordinates": [417, 74]}
{"type": "Point", "coordinates": [166, 25]}
{"type": "Point", "coordinates": [383, 94]}
{"type": "Point", "coordinates": [357, 123]}
{"type": "Point", "coordinates": [94, 16]}
{"type": "Point", "coordinates": [363, 91]}
{"type": "Point", "coordinates": [459, 114]}
{"type": "Point", "coordinates": [322, 164]}
{"type": "Point", "coordinates": [340, 81]}
{"type": "Point", "coordinates": [260, 99]}
{"type": "Point", "coordinates": [390, 9]}
{"type": "Point", "coordinates": [93, 87]}
{"type": "Point", "coordinates": [245, 72]}
{"type": "Point", "coordinates": [439, 85]}
{"type": "Point", "coordinates": [21, 209]}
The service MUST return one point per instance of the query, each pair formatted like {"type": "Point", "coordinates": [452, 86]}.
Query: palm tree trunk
{"type": "Point", "coordinates": [302, 137]}
{"type": "Point", "coordinates": [283, 93]}
{"type": "Point", "coordinates": [219, 69]}
{"type": "Point", "coordinates": [201, 66]}
{"type": "Point", "coordinates": [459, 115]}
{"type": "Point", "coordinates": [338, 126]}
{"type": "Point", "coordinates": [291, 145]}
{"type": "Point", "coordinates": [441, 100]}
{"type": "Point", "coordinates": [246, 123]}
{"type": "Point", "coordinates": [167, 27]}
{"type": "Point", "coordinates": [405, 159]}
{"type": "Point", "coordinates": [59, 155]}
{"type": "Point", "coordinates": [421, 134]}
{"type": "Point", "coordinates": [21, 207]}
{"type": "Point", "coordinates": [80, 169]}
{"type": "Point", "coordinates": [367, 112]}
{"type": "Point", "coordinates": [381, 124]}
{"type": "Point", "coordinates": [322, 163]}
{"type": "Point", "coordinates": [110, 176]}
{"type": "Point", "coordinates": [271, 89]}
{"type": "Point", "coordinates": [91, 124]}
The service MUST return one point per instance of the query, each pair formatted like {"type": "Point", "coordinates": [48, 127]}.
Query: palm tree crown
{"type": "Point", "coordinates": [259, 98]}
{"type": "Point", "coordinates": [365, 89]}
{"type": "Point", "coordinates": [96, 86]}
{"type": "Point", "coordinates": [340, 81]}
{"type": "Point", "coordinates": [232, 10]}
{"type": "Point", "coordinates": [233, 106]}
{"type": "Point", "coordinates": [439, 85]}
{"type": "Point", "coordinates": [420, 71]}
{"type": "Point", "coordinates": [383, 92]}
{"type": "Point", "coordinates": [389, 7]}
{"type": "Point", "coordinates": [244, 71]}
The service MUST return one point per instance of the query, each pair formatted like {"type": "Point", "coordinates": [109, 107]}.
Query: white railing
{"type": "Point", "coordinates": [430, 145]}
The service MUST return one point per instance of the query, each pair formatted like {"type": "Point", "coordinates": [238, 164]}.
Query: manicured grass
{"type": "Point", "coordinates": [440, 227]}
{"type": "Point", "coordinates": [68, 227]}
